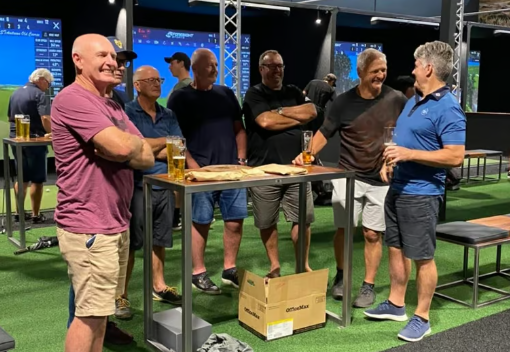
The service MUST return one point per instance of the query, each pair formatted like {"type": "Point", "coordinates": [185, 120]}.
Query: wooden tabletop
{"type": "Point", "coordinates": [499, 221]}
{"type": "Point", "coordinates": [31, 141]}
{"type": "Point", "coordinates": [312, 171]}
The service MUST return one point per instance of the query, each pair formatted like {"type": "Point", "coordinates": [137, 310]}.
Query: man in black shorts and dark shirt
{"type": "Point", "coordinates": [320, 92]}
{"type": "Point", "coordinates": [211, 121]}
{"type": "Point", "coordinates": [274, 115]}
{"type": "Point", "coordinates": [360, 116]}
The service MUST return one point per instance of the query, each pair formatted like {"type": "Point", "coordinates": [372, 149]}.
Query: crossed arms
{"type": "Point", "coordinates": [290, 117]}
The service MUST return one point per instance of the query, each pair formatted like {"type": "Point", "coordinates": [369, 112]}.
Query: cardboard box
{"type": "Point", "coordinates": [284, 306]}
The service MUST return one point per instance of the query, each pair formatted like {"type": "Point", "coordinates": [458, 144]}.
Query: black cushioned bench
{"type": "Point", "coordinates": [6, 341]}
{"type": "Point", "coordinates": [477, 234]}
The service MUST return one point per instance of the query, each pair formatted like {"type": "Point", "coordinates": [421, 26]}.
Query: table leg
{"type": "Point", "coordinates": [148, 312]}
{"type": "Point", "coordinates": [21, 198]}
{"type": "Point", "coordinates": [302, 229]}
{"type": "Point", "coordinates": [500, 166]}
{"type": "Point", "coordinates": [7, 190]}
{"type": "Point", "coordinates": [187, 267]}
{"type": "Point", "coordinates": [476, 278]}
{"type": "Point", "coordinates": [348, 244]}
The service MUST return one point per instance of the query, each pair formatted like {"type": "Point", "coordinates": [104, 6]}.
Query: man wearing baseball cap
{"type": "Point", "coordinates": [180, 64]}
{"type": "Point", "coordinates": [124, 60]}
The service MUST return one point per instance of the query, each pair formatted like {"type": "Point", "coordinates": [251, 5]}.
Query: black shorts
{"type": "Point", "coordinates": [163, 205]}
{"type": "Point", "coordinates": [411, 224]}
{"type": "Point", "coordinates": [34, 163]}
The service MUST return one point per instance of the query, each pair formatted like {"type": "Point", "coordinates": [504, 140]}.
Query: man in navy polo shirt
{"type": "Point", "coordinates": [155, 123]}
{"type": "Point", "coordinates": [31, 100]}
{"type": "Point", "coordinates": [430, 137]}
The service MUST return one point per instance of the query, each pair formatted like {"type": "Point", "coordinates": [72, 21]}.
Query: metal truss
{"type": "Point", "coordinates": [230, 44]}
{"type": "Point", "coordinates": [459, 24]}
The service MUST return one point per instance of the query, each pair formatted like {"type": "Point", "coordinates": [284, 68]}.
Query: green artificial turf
{"type": "Point", "coordinates": [34, 286]}
{"type": "Point", "coordinates": [49, 199]}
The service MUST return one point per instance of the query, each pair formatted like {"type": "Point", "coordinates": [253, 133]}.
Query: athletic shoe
{"type": "Point", "coordinates": [415, 330]}
{"type": "Point", "coordinates": [229, 277]}
{"type": "Point", "coordinates": [168, 295]}
{"type": "Point", "coordinates": [203, 282]}
{"type": "Point", "coordinates": [387, 311]}
{"type": "Point", "coordinates": [366, 297]}
{"type": "Point", "coordinates": [123, 308]}
{"type": "Point", "coordinates": [337, 291]}
{"type": "Point", "coordinates": [39, 219]}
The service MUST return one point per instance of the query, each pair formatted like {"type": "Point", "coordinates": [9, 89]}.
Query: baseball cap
{"type": "Point", "coordinates": [330, 77]}
{"type": "Point", "coordinates": [120, 48]}
{"type": "Point", "coordinates": [179, 57]}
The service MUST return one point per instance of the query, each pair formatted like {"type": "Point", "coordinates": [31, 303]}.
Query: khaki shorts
{"type": "Point", "coordinates": [368, 205]}
{"type": "Point", "coordinates": [266, 202]}
{"type": "Point", "coordinates": [98, 273]}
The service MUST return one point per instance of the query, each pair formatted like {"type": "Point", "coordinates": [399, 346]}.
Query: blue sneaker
{"type": "Point", "coordinates": [415, 330]}
{"type": "Point", "coordinates": [387, 311]}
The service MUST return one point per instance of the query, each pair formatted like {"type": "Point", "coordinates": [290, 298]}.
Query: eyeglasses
{"type": "Point", "coordinates": [125, 63]}
{"type": "Point", "coordinates": [274, 67]}
{"type": "Point", "coordinates": [152, 80]}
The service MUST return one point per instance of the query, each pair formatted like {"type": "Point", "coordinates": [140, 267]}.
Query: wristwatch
{"type": "Point", "coordinates": [279, 111]}
{"type": "Point", "coordinates": [242, 160]}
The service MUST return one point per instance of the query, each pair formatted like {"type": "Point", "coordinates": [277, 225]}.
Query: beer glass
{"type": "Point", "coordinates": [17, 120]}
{"type": "Point", "coordinates": [179, 158]}
{"type": "Point", "coordinates": [389, 139]}
{"type": "Point", "coordinates": [25, 127]}
{"type": "Point", "coordinates": [170, 155]}
{"type": "Point", "coordinates": [307, 147]}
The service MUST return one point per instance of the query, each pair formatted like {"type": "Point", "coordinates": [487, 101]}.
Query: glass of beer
{"type": "Point", "coordinates": [17, 120]}
{"type": "Point", "coordinates": [170, 155]}
{"type": "Point", "coordinates": [25, 127]}
{"type": "Point", "coordinates": [389, 139]}
{"type": "Point", "coordinates": [179, 158]}
{"type": "Point", "coordinates": [307, 147]}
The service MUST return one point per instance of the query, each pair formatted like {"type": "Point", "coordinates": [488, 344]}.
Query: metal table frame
{"type": "Point", "coordinates": [18, 145]}
{"type": "Point", "coordinates": [481, 154]}
{"type": "Point", "coordinates": [186, 189]}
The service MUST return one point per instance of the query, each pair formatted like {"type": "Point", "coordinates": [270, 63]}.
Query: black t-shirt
{"type": "Point", "coordinates": [264, 146]}
{"type": "Point", "coordinates": [207, 121]}
{"type": "Point", "coordinates": [319, 92]}
{"type": "Point", "coordinates": [360, 123]}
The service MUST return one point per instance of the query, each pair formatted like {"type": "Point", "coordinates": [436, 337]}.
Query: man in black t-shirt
{"type": "Point", "coordinates": [320, 92]}
{"type": "Point", "coordinates": [274, 114]}
{"type": "Point", "coordinates": [211, 121]}
{"type": "Point", "coordinates": [360, 116]}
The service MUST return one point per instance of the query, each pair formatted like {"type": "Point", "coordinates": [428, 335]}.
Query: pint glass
{"type": "Point", "coordinates": [17, 119]}
{"type": "Point", "coordinates": [307, 147]}
{"type": "Point", "coordinates": [170, 155]}
{"type": "Point", "coordinates": [25, 127]}
{"type": "Point", "coordinates": [179, 158]}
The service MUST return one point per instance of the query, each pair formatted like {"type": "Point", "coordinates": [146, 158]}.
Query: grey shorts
{"type": "Point", "coordinates": [266, 204]}
{"type": "Point", "coordinates": [163, 205]}
{"type": "Point", "coordinates": [411, 224]}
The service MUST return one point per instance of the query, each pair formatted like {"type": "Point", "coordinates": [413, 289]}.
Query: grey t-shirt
{"type": "Point", "coordinates": [181, 84]}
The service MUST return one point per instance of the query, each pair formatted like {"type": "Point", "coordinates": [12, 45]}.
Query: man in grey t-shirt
{"type": "Point", "coordinates": [179, 67]}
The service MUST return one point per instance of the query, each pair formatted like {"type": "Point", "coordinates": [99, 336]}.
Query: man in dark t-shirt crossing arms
{"type": "Point", "coordinates": [211, 121]}
{"type": "Point", "coordinates": [274, 115]}
{"type": "Point", "coordinates": [360, 116]}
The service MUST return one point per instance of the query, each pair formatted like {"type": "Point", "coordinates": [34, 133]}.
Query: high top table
{"type": "Point", "coordinates": [186, 189]}
{"type": "Point", "coordinates": [18, 145]}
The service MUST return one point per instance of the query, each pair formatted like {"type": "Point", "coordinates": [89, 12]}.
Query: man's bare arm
{"type": "Point", "coordinates": [161, 155]}
{"type": "Point", "coordinates": [192, 164]}
{"type": "Point", "coordinates": [318, 142]}
{"type": "Point", "coordinates": [117, 145]}
{"type": "Point", "coordinates": [46, 122]}
{"type": "Point", "coordinates": [273, 121]}
{"type": "Point", "coordinates": [145, 159]}
{"type": "Point", "coordinates": [303, 113]}
{"type": "Point", "coordinates": [240, 139]}
{"type": "Point", "coordinates": [157, 144]}
{"type": "Point", "coordinates": [449, 156]}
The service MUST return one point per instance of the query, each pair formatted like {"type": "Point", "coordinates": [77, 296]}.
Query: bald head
{"type": "Point", "coordinates": [95, 60]}
{"type": "Point", "coordinates": [147, 83]}
{"type": "Point", "coordinates": [205, 67]}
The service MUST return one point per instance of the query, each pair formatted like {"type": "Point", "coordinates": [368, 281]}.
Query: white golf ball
{"type": "Point", "coordinates": [47, 189]}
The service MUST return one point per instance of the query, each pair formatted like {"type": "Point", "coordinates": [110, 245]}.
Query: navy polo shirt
{"type": "Point", "coordinates": [165, 125]}
{"type": "Point", "coordinates": [427, 124]}
{"type": "Point", "coordinates": [29, 100]}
